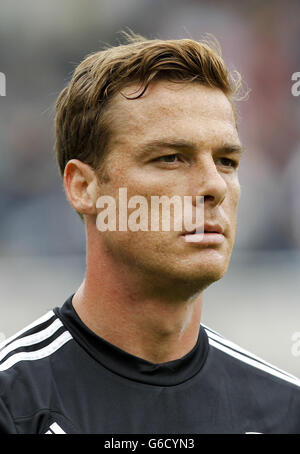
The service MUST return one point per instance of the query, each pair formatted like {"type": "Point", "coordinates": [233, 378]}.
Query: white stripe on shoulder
{"type": "Point", "coordinates": [209, 330]}
{"type": "Point", "coordinates": [37, 322]}
{"type": "Point", "coordinates": [254, 363]}
{"type": "Point", "coordinates": [32, 339]}
{"type": "Point", "coordinates": [37, 354]}
{"type": "Point", "coordinates": [225, 342]}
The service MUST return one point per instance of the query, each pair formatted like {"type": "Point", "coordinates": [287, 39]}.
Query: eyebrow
{"type": "Point", "coordinates": [188, 146]}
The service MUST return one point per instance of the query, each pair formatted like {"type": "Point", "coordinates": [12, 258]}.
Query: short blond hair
{"type": "Point", "coordinates": [82, 121]}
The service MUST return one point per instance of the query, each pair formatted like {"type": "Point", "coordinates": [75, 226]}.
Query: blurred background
{"type": "Point", "coordinates": [42, 241]}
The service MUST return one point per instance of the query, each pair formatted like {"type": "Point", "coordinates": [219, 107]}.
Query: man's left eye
{"type": "Point", "coordinates": [228, 162]}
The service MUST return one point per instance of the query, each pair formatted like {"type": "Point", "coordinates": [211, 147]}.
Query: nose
{"type": "Point", "coordinates": [208, 182]}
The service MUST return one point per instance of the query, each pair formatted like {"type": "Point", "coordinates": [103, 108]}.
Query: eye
{"type": "Point", "coordinates": [171, 158]}
{"type": "Point", "coordinates": [228, 162]}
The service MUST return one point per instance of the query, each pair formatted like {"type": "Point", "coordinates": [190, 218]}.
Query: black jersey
{"type": "Point", "coordinates": [57, 376]}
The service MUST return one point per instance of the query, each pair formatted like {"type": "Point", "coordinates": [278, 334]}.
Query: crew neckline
{"type": "Point", "coordinates": [127, 365]}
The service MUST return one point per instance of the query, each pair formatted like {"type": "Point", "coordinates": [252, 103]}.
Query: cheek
{"type": "Point", "coordinates": [230, 206]}
{"type": "Point", "coordinates": [235, 192]}
{"type": "Point", "coordinates": [137, 249]}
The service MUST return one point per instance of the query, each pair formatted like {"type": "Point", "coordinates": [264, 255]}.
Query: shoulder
{"type": "Point", "coordinates": [30, 362]}
{"type": "Point", "coordinates": [247, 366]}
{"type": "Point", "coordinates": [37, 341]}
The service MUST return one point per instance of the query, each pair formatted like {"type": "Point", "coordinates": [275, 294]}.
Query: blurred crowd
{"type": "Point", "coordinates": [42, 42]}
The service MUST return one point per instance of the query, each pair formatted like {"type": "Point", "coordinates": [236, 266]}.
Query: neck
{"type": "Point", "coordinates": [121, 308]}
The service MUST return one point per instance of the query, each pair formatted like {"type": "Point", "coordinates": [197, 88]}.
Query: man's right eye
{"type": "Point", "coordinates": [171, 158]}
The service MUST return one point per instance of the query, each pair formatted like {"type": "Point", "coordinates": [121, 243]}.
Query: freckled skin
{"type": "Point", "coordinates": [174, 112]}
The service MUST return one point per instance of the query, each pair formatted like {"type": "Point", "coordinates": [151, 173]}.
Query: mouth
{"type": "Point", "coordinates": [209, 234]}
{"type": "Point", "coordinates": [207, 228]}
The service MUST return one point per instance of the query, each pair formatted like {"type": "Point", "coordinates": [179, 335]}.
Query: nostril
{"type": "Point", "coordinates": [208, 197]}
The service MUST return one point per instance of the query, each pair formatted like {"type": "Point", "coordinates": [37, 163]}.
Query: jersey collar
{"type": "Point", "coordinates": [129, 366]}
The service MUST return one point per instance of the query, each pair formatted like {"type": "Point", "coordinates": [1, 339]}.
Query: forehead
{"type": "Point", "coordinates": [188, 110]}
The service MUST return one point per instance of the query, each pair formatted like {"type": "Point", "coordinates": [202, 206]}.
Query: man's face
{"type": "Point", "coordinates": [177, 139]}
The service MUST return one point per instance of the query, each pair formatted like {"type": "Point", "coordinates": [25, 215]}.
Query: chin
{"type": "Point", "coordinates": [205, 272]}
{"type": "Point", "coordinates": [190, 280]}
{"type": "Point", "coordinates": [205, 278]}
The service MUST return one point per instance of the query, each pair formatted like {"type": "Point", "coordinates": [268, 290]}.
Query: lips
{"type": "Point", "coordinates": [209, 235]}
{"type": "Point", "coordinates": [208, 228]}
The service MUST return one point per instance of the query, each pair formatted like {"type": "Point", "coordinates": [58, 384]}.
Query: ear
{"type": "Point", "coordinates": [81, 186]}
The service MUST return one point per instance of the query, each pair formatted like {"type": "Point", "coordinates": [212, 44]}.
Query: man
{"type": "Point", "coordinates": [127, 353]}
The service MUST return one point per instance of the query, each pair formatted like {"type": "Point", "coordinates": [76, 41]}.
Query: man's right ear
{"type": "Point", "coordinates": [81, 187]}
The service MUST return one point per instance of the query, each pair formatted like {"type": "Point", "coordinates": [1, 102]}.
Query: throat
{"type": "Point", "coordinates": [149, 330]}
